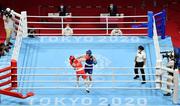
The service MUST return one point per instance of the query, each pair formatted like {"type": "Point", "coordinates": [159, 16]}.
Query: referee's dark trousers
{"type": "Point", "coordinates": [139, 65]}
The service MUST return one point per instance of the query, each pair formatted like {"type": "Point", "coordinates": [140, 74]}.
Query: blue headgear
{"type": "Point", "coordinates": [89, 52]}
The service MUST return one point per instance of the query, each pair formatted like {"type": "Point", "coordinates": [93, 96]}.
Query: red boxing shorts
{"type": "Point", "coordinates": [81, 73]}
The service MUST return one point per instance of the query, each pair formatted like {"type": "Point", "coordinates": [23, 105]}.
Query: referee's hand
{"type": "Point", "coordinates": [144, 66]}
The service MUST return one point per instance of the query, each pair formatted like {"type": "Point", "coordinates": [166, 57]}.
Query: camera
{"type": "Point", "coordinates": [168, 54]}
{"type": "Point", "coordinates": [6, 12]}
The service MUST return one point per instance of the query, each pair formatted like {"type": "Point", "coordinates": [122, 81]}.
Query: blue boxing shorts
{"type": "Point", "coordinates": [88, 69]}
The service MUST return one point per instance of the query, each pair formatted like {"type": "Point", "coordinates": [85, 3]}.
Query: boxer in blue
{"type": "Point", "coordinates": [90, 61]}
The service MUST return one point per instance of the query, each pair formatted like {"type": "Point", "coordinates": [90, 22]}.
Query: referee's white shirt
{"type": "Point", "coordinates": [140, 56]}
{"type": "Point", "coordinates": [67, 31]}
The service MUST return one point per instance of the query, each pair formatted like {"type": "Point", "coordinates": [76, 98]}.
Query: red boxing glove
{"type": "Point", "coordinates": [71, 62]}
{"type": "Point", "coordinates": [87, 57]}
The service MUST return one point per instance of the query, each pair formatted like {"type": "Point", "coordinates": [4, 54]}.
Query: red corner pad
{"type": "Point", "coordinates": [15, 94]}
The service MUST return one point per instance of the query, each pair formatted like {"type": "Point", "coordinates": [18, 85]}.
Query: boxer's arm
{"type": "Point", "coordinates": [81, 58]}
{"type": "Point", "coordinates": [94, 60]}
{"type": "Point", "coordinates": [73, 65]}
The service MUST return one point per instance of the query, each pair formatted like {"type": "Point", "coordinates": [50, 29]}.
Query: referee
{"type": "Point", "coordinates": [140, 61]}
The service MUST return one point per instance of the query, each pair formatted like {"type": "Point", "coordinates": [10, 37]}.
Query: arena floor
{"type": "Point", "coordinates": [110, 52]}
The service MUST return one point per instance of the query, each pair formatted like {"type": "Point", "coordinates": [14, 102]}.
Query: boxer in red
{"type": "Point", "coordinates": [78, 67]}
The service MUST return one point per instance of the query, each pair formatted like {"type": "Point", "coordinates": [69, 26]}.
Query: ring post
{"type": "Point", "coordinates": [62, 25]}
{"type": "Point", "coordinates": [107, 25]}
{"type": "Point", "coordinates": [176, 84]}
{"type": "Point", "coordinates": [24, 23]}
{"type": "Point", "coordinates": [159, 73]}
{"type": "Point", "coordinates": [158, 55]}
{"type": "Point", "coordinates": [14, 74]}
{"type": "Point", "coordinates": [150, 24]}
{"type": "Point", "coordinates": [163, 36]}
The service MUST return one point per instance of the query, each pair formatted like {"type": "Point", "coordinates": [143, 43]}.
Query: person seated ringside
{"type": "Point", "coordinates": [62, 10]}
{"type": "Point", "coordinates": [67, 31]}
{"type": "Point", "coordinates": [31, 32]}
{"type": "Point", "coordinates": [116, 32]}
{"type": "Point", "coordinates": [3, 49]}
{"type": "Point", "coordinates": [171, 65]}
{"type": "Point", "coordinates": [9, 25]}
{"type": "Point", "coordinates": [112, 9]}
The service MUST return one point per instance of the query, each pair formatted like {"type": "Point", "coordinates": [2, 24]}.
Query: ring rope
{"type": "Point", "coordinates": [59, 34]}
{"type": "Point", "coordinates": [81, 74]}
{"type": "Point", "coordinates": [137, 16]}
{"type": "Point", "coordinates": [125, 88]}
{"type": "Point", "coordinates": [168, 83]}
{"type": "Point", "coordinates": [69, 81]}
{"type": "Point", "coordinates": [88, 28]}
{"type": "Point", "coordinates": [168, 76]}
{"type": "Point", "coordinates": [168, 69]}
{"type": "Point", "coordinates": [107, 68]}
{"type": "Point", "coordinates": [32, 22]}
{"type": "Point", "coordinates": [16, 14]}
{"type": "Point", "coordinates": [16, 20]}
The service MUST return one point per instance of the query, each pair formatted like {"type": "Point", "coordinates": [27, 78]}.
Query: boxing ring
{"type": "Point", "coordinates": [40, 66]}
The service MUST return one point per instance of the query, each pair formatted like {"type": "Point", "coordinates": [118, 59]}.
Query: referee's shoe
{"type": "Point", "coordinates": [136, 77]}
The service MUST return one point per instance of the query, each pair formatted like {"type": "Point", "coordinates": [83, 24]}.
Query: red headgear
{"type": "Point", "coordinates": [71, 58]}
